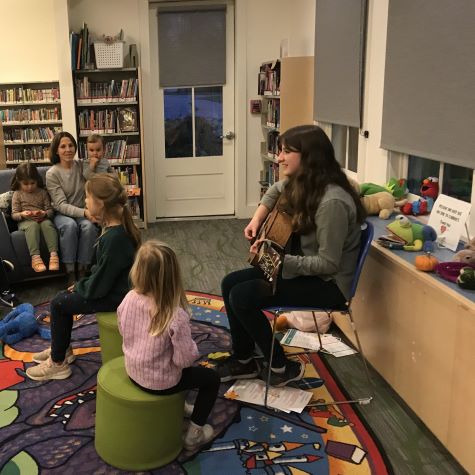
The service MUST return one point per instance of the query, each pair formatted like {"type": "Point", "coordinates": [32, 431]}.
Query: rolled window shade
{"type": "Point", "coordinates": [192, 46]}
{"type": "Point", "coordinates": [429, 87]}
{"type": "Point", "coordinates": [340, 32]}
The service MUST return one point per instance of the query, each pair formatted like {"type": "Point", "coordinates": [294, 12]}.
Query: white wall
{"type": "Point", "coordinates": [28, 46]}
{"type": "Point", "coordinates": [265, 24]}
{"type": "Point", "coordinates": [374, 159]}
{"type": "Point", "coordinates": [106, 17]}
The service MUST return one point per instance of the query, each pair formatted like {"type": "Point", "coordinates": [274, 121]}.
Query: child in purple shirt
{"type": "Point", "coordinates": [157, 342]}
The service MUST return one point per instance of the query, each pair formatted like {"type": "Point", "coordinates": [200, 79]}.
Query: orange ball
{"type": "Point", "coordinates": [425, 262]}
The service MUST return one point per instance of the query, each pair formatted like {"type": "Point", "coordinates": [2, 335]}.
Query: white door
{"type": "Point", "coordinates": [194, 141]}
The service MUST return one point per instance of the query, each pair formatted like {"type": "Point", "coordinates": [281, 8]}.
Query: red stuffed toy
{"type": "Point", "coordinates": [429, 191]}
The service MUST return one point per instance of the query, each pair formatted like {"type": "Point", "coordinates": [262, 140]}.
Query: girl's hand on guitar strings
{"type": "Point", "coordinates": [254, 249]}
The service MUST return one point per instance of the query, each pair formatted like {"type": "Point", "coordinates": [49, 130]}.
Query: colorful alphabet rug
{"type": "Point", "coordinates": [48, 427]}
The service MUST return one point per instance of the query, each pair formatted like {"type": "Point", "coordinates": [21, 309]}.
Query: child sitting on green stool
{"type": "Point", "coordinates": [157, 342]}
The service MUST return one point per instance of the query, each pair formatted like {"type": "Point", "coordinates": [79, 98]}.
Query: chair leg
{"type": "Point", "coordinates": [271, 356]}
{"type": "Point", "coordinates": [362, 401]}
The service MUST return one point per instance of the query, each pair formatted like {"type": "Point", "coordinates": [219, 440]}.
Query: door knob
{"type": "Point", "coordinates": [229, 135]}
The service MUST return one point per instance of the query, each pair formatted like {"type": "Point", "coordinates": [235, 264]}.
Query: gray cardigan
{"type": "Point", "coordinates": [331, 250]}
{"type": "Point", "coordinates": [66, 187]}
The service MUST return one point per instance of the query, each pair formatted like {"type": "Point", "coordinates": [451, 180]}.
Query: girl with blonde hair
{"type": "Point", "coordinates": [157, 342]}
{"type": "Point", "coordinates": [105, 287]}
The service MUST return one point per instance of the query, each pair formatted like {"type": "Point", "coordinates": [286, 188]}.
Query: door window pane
{"type": "Point", "coordinates": [208, 121]}
{"type": "Point", "coordinates": [420, 168]}
{"type": "Point", "coordinates": [178, 123]}
{"type": "Point", "coordinates": [457, 182]}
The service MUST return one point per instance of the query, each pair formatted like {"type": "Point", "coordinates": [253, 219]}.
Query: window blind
{"type": "Point", "coordinates": [192, 46]}
{"type": "Point", "coordinates": [429, 87]}
{"type": "Point", "coordinates": [340, 30]}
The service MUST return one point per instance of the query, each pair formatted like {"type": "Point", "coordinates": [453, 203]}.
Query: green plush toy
{"type": "Point", "coordinates": [410, 236]}
{"type": "Point", "coordinates": [466, 278]}
{"type": "Point", "coordinates": [396, 187]}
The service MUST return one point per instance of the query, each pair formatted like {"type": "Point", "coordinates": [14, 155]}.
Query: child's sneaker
{"type": "Point", "coordinates": [231, 368]}
{"type": "Point", "coordinates": [188, 409]}
{"type": "Point", "coordinates": [42, 356]}
{"type": "Point", "coordinates": [294, 371]}
{"type": "Point", "coordinates": [196, 436]}
{"type": "Point", "coordinates": [49, 370]}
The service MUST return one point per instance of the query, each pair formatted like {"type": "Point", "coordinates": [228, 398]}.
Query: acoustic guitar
{"type": "Point", "coordinates": [274, 233]}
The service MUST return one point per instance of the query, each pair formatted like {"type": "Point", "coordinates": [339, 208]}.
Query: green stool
{"type": "Point", "coordinates": [109, 336]}
{"type": "Point", "coordinates": [135, 430]}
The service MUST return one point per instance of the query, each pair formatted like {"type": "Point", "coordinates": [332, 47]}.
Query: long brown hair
{"type": "Point", "coordinates": [318, 169]}
{"type": "Point", "coordinates": [25, 172]}
{"type": "Point", "coordinates": [107, 187]}
{"type": "Point", "coordinates": [156, 273]}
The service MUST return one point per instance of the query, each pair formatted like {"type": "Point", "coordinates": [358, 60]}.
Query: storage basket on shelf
{"type": "Point", "coordinates": [109, 55]}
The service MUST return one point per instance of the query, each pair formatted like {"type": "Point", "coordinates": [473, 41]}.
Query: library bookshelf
{"type": "Point", "coordinates": [30, 116]}
{"type": "Point", "coordinates": [286, 89]}
{"type": "Point", "coordinates": [108, 102]}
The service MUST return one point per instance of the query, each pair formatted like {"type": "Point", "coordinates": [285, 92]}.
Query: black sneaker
{"type": "Point", "coordinates": [294, 371]}
{"type": "Point", "coordinates": [231, 368]}
{"type": "Point", "coordinates": [8, 299]}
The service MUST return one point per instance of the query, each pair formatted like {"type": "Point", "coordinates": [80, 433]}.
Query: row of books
{"type": "Point", "coordinates": [134, 205]}
{"type": "Point", "coordinates": [272, 143]}
{"type": "Point", "coordinates": [107, 121]}
{"type": "Point", "coordinates": [273, 113]}
{"type": "Point", "coordinates": [269, 174]}
{"type": "Point", "coordinates": [82, 50]}
{"type": "Point", "coordinates": [269, 79]}
{"type": "Point", "coordinates": [116, 151]}
{"type": "Point", "coordinates": [34, 153]}
{"type": "Point", "coordinates": [30, 115]}
{"type": "Point", "coordinates": [108, 91]}
{"type": "Point", "coordinates": [40, 134]}
{"type": "Point", "coordinates": [127, 175]}
{"type": "Point", "coordinates": [20, 94]}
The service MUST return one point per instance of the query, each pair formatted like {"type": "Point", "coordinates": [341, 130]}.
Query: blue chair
{"type": "Point", "coordinates": [366, 238]}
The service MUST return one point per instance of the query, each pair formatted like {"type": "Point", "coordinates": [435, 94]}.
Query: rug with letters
{"type": "Point", "coordinates": [48, 427]}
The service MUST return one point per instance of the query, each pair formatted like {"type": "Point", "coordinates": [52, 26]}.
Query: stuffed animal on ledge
{"type": "Point", "coordinates": [429, 191]}
{"type": "Point", "coordinates": [21, 323]}
{"type": "Point", "coordinates": [409, 236]}
{"type": "Point", "coordinates": [381, 203]}
{"type": "Point", "coordinates": [466, 255]}
{"type": "Point", "coordinates": [397, 188]}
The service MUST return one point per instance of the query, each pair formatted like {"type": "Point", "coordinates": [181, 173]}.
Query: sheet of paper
{"type": "Point", "coordinates": [285, 399]}
{"type": "Point", "coordinates": [310, 341]}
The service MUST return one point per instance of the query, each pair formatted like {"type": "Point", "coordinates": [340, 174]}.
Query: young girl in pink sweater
{"type": "Point", "coordinates": [157, 342]}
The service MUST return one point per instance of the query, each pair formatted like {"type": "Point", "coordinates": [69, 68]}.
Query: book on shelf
{"type": "Point", "coordinates": [82, 51]}
{"type": "Point", "coordinates": [126, 120]}
{"type": "Point", "coordinates": [21, 94]}
{"type": "Point", "coordinates": [269, 79]}
{"type": "Point", "coordinates": [30, 115]}
{"type": "Point", "coordinates": [113, 91]}
{"type": "Point", "coordinates": [38, 134]}
{"type": "Point", "coordinates": [32, 153]}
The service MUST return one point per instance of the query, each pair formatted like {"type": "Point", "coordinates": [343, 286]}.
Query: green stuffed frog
{"type": "Point", "coordinates": [411, 236]}
{"type": "Point", "coordinates": [394, 186]}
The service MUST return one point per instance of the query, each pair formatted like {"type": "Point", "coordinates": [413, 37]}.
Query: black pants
{"type": "Point", "coordinates": [4, 280]}
{"type": "Point", "coordinates": [205, 380]}
{"type": "Point", "coordinates": [246, 292]}
{"type": "Point", "coordinates": [63, 307]}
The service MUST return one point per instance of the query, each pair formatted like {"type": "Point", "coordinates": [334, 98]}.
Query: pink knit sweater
{"type": "Point", "coordinates": [155, 362]}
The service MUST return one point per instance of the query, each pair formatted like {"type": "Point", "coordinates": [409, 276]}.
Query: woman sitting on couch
{"type": "Point", "coordinates": [65, 182]}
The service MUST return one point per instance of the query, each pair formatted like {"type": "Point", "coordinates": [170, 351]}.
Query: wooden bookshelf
{"type": "Point", "coordinates": [108, 102]}
{"type": "Point", "coordinates": [30, 115]}
{"type": "Point", "coordinates": [286, 90]}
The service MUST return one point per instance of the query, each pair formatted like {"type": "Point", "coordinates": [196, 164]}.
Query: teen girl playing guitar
{"type": "Point", "coordinates": [319, 259]}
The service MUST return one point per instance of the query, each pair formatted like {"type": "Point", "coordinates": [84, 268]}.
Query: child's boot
{"type": "Point", "coordinates": [37, 264]}
{"type": "Point", "coordinates": [196, 436]}
{"type": "Point", "coordinates": [53, 261]}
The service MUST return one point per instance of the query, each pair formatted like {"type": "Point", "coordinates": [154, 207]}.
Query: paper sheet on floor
{"type": "Point", "coordinates": [331, 344]}
{"type": "Point", "coordinates": [253, 391]}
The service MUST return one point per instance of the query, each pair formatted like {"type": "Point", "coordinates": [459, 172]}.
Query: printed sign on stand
{"type": "Point", "coordinates": [448, 218]}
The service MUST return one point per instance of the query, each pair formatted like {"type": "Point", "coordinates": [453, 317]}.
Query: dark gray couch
{"type": "Point", "coordinates": [13, 244]}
